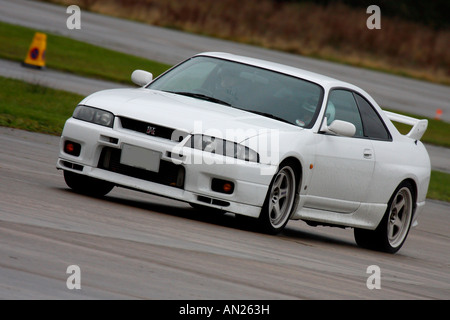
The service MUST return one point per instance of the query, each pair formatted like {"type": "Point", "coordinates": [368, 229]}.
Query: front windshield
{"type": "Point", "coordinates": [246, 87]}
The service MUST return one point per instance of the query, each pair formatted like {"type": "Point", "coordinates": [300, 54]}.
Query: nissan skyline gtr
{"type": "Point", "coordinates": [265, 141]}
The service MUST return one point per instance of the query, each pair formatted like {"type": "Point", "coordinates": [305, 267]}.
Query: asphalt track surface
{"type": "Point", "coordinates": [172, 46]}
{"type": "Point", "coordinates": [132, 245]}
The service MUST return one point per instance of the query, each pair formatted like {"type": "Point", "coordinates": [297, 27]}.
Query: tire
{"type": "Point", "coordinates": [280, 200]}
{"type": "Point", "coordinates": [391, 233]}
{"type": "Point", "coordinates": [87, 185]}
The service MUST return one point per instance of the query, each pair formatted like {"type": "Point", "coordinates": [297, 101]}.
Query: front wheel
{"type": "Point", "coordinates": [280, 200]}
{"type": "Point", "coordinates": [87, 185]}
{"type": "Point", "coordinates": [393, 229]}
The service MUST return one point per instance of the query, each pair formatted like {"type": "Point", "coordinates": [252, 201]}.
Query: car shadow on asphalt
{"type": "Point", "coordinates": [227, 220]}
{"type": "Point", "coordinates": [300, 235]}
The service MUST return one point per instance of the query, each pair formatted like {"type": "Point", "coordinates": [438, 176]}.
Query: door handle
{"type": "Point", "coordinates": [368, 153]}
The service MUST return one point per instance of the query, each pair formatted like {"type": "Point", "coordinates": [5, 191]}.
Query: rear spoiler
{"type": "Point", "coordinates": [418, 126]}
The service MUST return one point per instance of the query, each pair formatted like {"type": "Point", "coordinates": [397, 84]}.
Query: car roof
{"type": "Point", "coordinates": [323, 80]}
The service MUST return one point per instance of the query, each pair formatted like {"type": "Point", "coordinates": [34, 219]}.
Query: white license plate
{"type": "Point", "coordinates": [140, 158]}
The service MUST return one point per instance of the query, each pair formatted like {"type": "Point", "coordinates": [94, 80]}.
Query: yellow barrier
{"type": "Point", "coordinates": [36, 53]}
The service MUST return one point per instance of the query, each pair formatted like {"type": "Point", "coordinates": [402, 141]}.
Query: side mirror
{"type": "Point", "coordinates": [339, 127]}
{"type": "Point", "coordinates": [141, 77]}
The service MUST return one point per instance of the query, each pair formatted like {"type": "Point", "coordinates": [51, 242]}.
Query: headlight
{"type": "Point", "coordinates": [94, 115]}
{"type": "Point", "coordinates": [222, 147]}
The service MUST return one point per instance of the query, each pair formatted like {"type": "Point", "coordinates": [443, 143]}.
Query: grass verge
{"type": "Point", "coordinates": [439, 188]}
{"type": "Point", "coordinates": [40, 109]}
{"type": "Point", "coordinates": [35, 108]}
{"type": "Point", "coordinates": [75, 56]}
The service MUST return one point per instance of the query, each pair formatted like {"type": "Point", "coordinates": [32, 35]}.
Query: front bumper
{"type": "Point", "coordinates": [184, 175]}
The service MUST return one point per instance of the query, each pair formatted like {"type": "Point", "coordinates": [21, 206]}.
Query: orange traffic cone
{"type": "Point", "coordinates": [438, 115]}
{"type": "Point", "coordinates": [36, 53]}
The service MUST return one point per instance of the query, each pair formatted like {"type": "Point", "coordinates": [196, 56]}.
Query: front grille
{"type": "Point", "coordinates": [169, 173]}
{"type": "Point", "coordinates": [147, 128]}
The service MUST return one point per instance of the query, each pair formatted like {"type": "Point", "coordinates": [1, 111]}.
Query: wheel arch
{"type": "Point", "coordinates": [414, 190]}
{"type": "Point", "coordinates": [383, 238]}
{"type": "Point", "coordinates": [299, 174]}
{"type": "Point", "coordinates": [298, 168]}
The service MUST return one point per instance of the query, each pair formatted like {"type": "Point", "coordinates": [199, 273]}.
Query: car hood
{"type": "Point", "coordinates": [184, 113]}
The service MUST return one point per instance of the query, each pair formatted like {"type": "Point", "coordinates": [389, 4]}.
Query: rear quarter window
{"type": "Point", "coordinates": [374, 127]}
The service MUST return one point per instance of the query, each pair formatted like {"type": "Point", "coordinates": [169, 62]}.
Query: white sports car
{"type": "Point", "coordinates": [257, 139]}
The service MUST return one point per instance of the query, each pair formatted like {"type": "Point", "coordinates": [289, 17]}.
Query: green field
{"type": "Point", "coordinates": [439, 186]}
{"type": "Point", "coordinates": [35, 108]}
{"type": "Point", "coordinates": [74, 56]}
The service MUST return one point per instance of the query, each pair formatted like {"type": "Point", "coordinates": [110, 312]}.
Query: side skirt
{"type": "Point", "coordinates": [367, 216]}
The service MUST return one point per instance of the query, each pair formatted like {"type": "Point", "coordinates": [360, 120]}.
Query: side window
{"type": "Point", "coordinates": [374, 127]}
{"type": "Point", "coordinates": [342, 106]}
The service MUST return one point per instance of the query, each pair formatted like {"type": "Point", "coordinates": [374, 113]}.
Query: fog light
{"type": "Point", "coordinates": [72, 148]}
{"type": "Point", "coordinates": [222, 186]}
{"type": "Point", "coordinates": [227, 187]}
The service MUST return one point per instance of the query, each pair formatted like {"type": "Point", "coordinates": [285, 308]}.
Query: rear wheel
{"type": "Point", "coordinates": [87, 185]}
{"type": "Point", "coordinates": [280, 200]}
{"type": "Point", "coordinates": [393, 229]}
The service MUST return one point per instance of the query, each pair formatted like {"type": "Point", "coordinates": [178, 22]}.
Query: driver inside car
{"type": "Point", "coordinates": [227, 86]}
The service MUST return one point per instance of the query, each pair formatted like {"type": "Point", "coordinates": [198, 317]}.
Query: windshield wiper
{"type": "Point", "coordinates": [201, 96]}
{"type": "Point", "coordinates": [269, 115]}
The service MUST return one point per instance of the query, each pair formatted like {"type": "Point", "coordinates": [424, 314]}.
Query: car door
{"type": "Point", "coordinates": [343, 167]}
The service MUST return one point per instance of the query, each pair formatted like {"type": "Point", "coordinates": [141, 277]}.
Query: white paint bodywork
{"type": "Point", "coordinates": [345, 181]}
